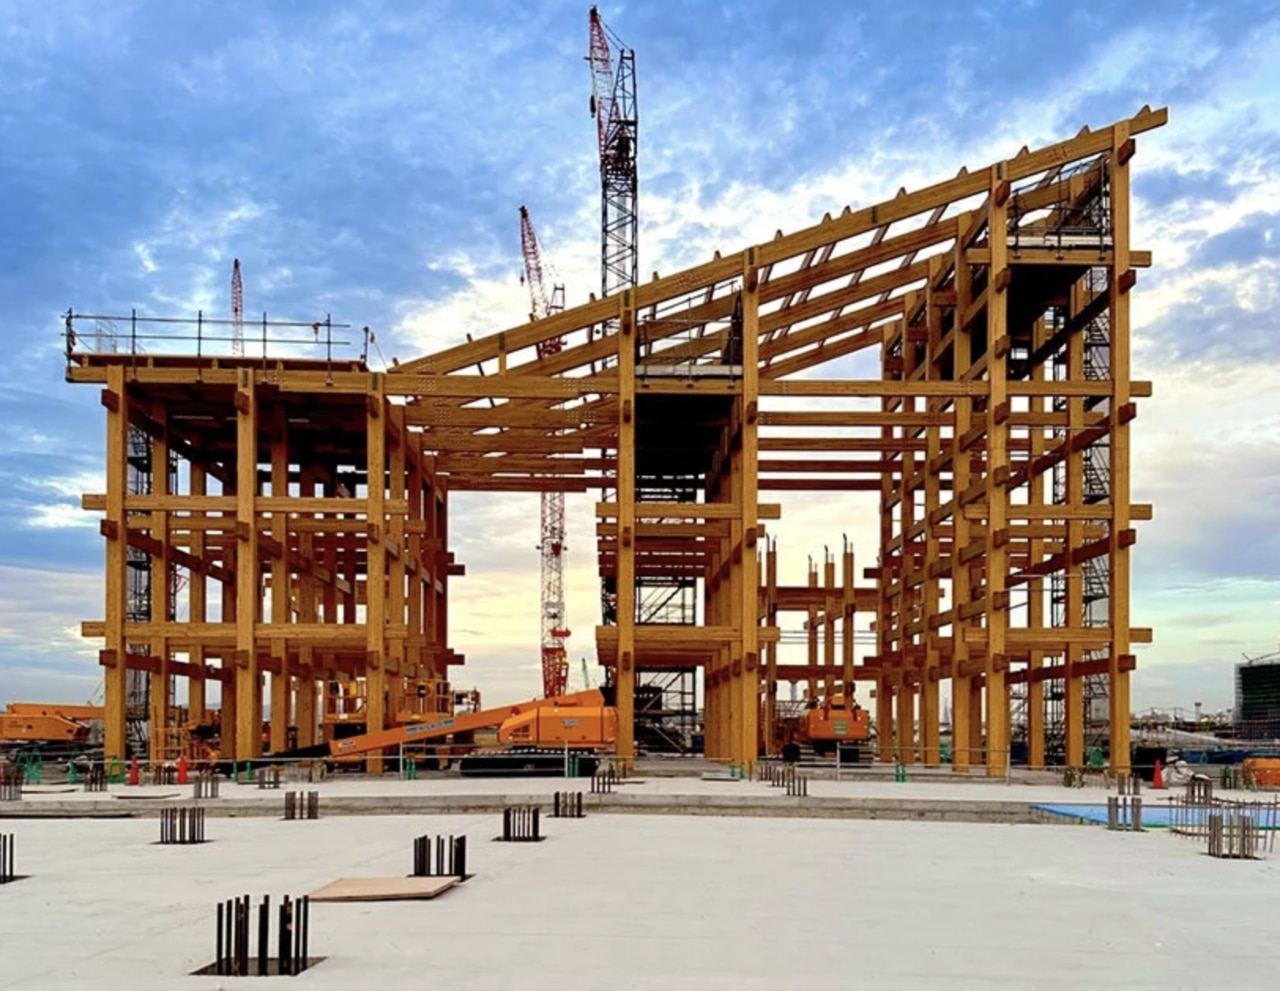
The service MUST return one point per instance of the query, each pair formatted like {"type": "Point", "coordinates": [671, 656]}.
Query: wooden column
{"type": "Point", "coordinates": [906, 720]}
{"type": "Point", "coordinates": [248, 680]}
{"type": "Point", "coordinates": [748, 500]}
{"type": "Point", "coordinates": [771, 651]}
{"type": "Point", "coordinates": [376, 578]}
{"type": "Point", "coordinates": [964, 716]}
{"type": "Point", "coordinates": [884, 719]}
{"type": "Point", "coordinates": [281, 611]}
{"type": "Point", "coordinates": [198, 602]}
{"type": "Point", "coordinates": [396, 610]}
{"type": "Point", "coordinates": [625, 675]}
{"type": "Point", "coordinates": [1118, 598]}
{"type": "Point", "coordinates": [1036, 587]}
{"type": "Point", "coordinates": [1073, 683]}
{"type": "Point", "coordinates": [997, 494]}
{"type": "Point", "coordinates": [308, 612]}
{"type": "Point", "coordinates": [115, 527]}
{"type": "Point", "coordinates": [161, 591]}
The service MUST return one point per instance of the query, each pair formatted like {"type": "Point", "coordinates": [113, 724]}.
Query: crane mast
{"type": "Point", "coordinates": [555, 660]}
{"type": "Point", "coordinates": [237, 310]}
{"type": "Point", "coordinates": [613, 104]}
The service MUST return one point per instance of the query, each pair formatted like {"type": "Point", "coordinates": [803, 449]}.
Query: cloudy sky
{"type": "Point", "coordinates": [367, 160]}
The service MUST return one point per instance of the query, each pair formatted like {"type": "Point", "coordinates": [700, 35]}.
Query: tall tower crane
{"type": "Point", "coordinates": [555, 660]}
{"type": "Point", "coordinates": [613, 104]}
{"type": "Point", "coordinates": [237, 310]}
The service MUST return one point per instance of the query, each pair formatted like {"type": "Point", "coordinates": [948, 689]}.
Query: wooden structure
{"type": "Point", "coordinates": [290, 484]}
{"type": "Point", "coordinates": [994, 434]}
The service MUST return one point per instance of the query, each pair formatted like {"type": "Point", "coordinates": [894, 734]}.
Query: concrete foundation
{"type": "Point", "coordinates": [649, 901]}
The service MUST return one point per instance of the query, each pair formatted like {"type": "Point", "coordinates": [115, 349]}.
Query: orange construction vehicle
{"type": "Point", "coordinates": [534, 736]}
{"type": "Point", "coordinates": [832, 723]}
{"type": "Point", "coordinates": [52, 728]}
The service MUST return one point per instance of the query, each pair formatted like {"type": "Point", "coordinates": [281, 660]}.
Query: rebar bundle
{"type": "Point", "coordinates": [302, 805]}
{"type": "Point", "coordinates": [450, 857]}
{"type": "Point", "coordinates": [292, 942]}
{"type": "Point", "coordinates": [182, 826]}
{"type": "Point", "coordinates": [567, 805]}
{"type": "Point", "coordinates": [521, 824]}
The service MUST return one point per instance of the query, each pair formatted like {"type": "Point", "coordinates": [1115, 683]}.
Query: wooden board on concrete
{"type": "Point", "coordinates": [379, 889]}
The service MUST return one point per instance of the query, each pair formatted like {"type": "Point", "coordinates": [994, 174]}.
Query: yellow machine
{"type": "Point", "coordinates": [51, 727]}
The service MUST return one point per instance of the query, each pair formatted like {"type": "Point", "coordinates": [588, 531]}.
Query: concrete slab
{"type": "Point", "coordinates": [655, 902]}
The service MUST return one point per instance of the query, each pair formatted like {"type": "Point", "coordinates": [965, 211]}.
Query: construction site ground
{"type": "Point", "coordinates": [646, 901]}
{"type": "Point", "coordinates": [655, 789]}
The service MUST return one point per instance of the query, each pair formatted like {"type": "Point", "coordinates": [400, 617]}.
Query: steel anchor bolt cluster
{"type": "Point", "coordinates": [521, 824]}
{"type": "Point", "coordinates": [292, 946]}
{"type": "Point", "coordinates": [450, 857]}
{"type": "Point", "coordinates": [184, 825]}
{"type": "Point", "coordinates": [302, 805]}
{"type": "Point", "coordinates": [568, 805]}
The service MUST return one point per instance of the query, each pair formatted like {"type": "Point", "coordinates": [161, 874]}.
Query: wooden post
{"type": "Point", "coordinates": [1118, 593]}
{"type": "Point", "coordinates": [625, 675]}
{"type": "Point", "coordinates": [161, 590]}
{"type": "Point", "coordinates": [997, 493]}
{"type": "Point", "coordinates": [281, 610]}
{"type": "Point", "coordinates": [376, 575]}
{"type": "Point", "coordinates": [248, 680]}
{"type": "Point", "coordinates": [115, 690]}
{"type": "Point", "coordinates": [198, 602]}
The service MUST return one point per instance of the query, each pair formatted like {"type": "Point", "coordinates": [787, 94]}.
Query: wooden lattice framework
{"type": "Point", "coordinates": [996, 435]}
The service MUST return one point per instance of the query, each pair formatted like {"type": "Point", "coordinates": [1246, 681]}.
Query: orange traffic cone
{"type": "Point", "coordinates": [135, 776]}
{"type": "Point", "coordinates": [1157, 777]}
{"type": "Point", "coordinates": [182, 770]}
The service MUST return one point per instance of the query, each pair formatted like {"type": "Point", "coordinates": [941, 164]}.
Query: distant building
{"type": "Point", "coordinates": [1257, 708]}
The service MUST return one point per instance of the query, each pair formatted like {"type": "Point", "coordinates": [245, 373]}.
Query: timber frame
{"type": "Point", "coordinates": [995, 436]}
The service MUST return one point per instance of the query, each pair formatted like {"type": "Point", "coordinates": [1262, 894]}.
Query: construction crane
{"type": "Point", "coordinates": [237, 310]}
{"type": "Point", "coordinates": [555, 661]}
{"type": "Point", "coordinates": [613, 104]}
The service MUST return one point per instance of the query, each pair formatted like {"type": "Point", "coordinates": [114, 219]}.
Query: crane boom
{"type": "Point", "coordinates": [614, 106]}
{"type": "Point", "coordinates": [237, 310]}
{"type": "Point", "coordinates": [551, 543]}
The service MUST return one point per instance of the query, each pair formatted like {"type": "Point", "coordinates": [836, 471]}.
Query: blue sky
{"type": "Point", "coordinates": [367, 160]}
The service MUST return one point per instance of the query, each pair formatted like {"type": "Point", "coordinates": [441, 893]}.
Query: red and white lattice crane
{"type": "Point", "coordinates": [237, 310]}
{"type": "Point", "coordinates": [555, 660]}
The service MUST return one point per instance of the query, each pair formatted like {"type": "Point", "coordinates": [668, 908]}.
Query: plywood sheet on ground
{"type": "Point", "coordinates": [379, 889]}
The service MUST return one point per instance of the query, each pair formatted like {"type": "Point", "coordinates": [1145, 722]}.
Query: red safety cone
{"type": "Point", "coordinates": [182, 770]}
{"type": "Point", "coordinates": [1157, 777]}
{"type": "Point", "coordinates": [135, 776]}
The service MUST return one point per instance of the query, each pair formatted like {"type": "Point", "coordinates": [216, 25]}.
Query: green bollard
{"type": "Point", "coordinates": [411, 769]}
{"type": "Point", "coordinates": [115, 771]}
{"type": "Point", "coordinates": [899, 773]}
{"type": "Point", "coordinates": [72, 777]}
